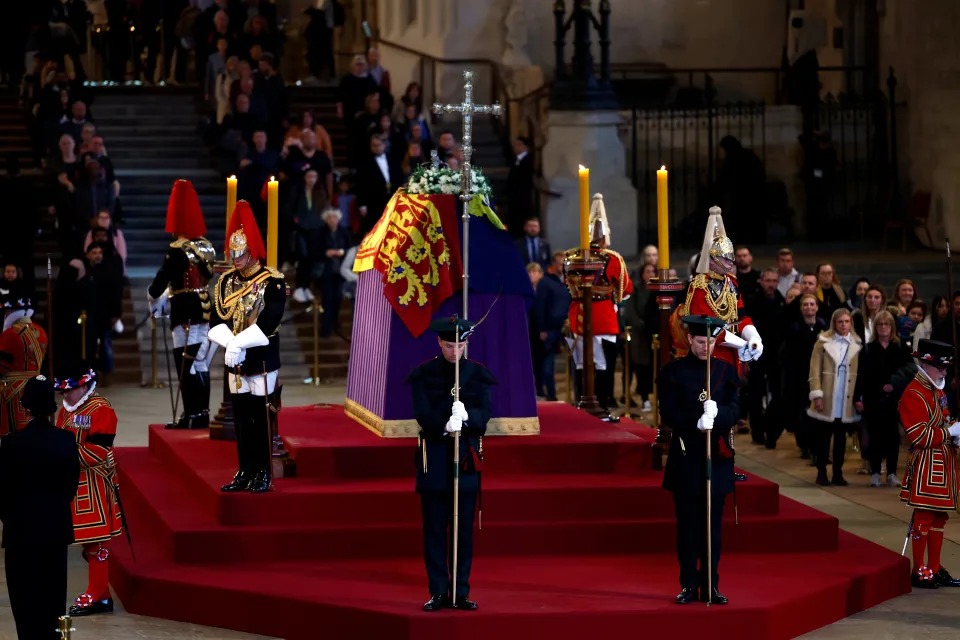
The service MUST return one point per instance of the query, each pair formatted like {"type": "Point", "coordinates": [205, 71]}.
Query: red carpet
{"type": "Point", "coordinates": [577, 540]}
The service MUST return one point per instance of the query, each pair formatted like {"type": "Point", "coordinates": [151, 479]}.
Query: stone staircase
{"type": "Point", "coordinates": [14, 135]}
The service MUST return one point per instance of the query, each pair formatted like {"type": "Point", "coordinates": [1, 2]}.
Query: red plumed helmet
{"type": "Point", "coordinates": [243, 234]}
{"type": "Point", "coordinates": [184, 217]}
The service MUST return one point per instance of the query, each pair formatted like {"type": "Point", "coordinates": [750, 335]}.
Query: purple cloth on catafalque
{"type": "Point", "coordinates": [383, 351]}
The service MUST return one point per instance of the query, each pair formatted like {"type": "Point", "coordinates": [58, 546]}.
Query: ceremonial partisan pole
{"type": "Point", "coordinates": [466, 109]}
{"type": "Point", "coordinates": [709, 472]}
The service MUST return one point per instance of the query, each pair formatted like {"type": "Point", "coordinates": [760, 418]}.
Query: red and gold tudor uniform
{"type": "Point", "coordinates": [931, 482]}
{"type": "Point", "coordinates": [96, 508]}
{"type": "Point", "coordinates": [183, 277]}
{"type": "Point", "coordinates": [23, 345]}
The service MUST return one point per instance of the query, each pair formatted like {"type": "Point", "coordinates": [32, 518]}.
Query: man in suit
{"type": "Point", "coordinates": [440, 416]}
{"type": "Point", "coordinates": [532, 247]}
{"type": "Point", "coordinates": [519, 190]}
{"type": "Point", "coordinates": [39, 467]}
{"type": "Point", "coordinates": [377, 179]}
{"type": "Point", "coordinates": [695, 414]}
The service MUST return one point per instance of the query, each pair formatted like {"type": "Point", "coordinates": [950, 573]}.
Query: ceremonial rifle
{"type": "Point", "coordinates": [953, 322]}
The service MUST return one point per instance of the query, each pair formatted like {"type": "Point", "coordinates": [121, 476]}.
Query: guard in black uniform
{"type": "Point", "coordinates": [39, 467]}
{"type": "Point", "coordinates": [439, 418]}
{"type": "Point", "coordinates": [685, 408]}
{"type": "Point", "coordinates": [249, 301]}
{"type": "Point", "coordinates": [180, 287]}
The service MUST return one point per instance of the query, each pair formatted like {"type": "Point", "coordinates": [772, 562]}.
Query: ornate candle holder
{"type": "Point", "coordinates": [581, 268]}
{"type": "Point", "coordinates": [665, 289]}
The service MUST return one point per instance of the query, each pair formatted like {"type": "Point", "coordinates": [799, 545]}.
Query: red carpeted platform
{"type": "Point", "coordinates": [577, 539]}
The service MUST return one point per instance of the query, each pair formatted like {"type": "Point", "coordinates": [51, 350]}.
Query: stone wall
{"type": "Point", "coordinates": [923, 48]}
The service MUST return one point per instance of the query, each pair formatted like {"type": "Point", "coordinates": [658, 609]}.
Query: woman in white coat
{"type": "Point", "coordinates": [833, 374]}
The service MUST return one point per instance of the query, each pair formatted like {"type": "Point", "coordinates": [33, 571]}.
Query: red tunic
{"type": "Point", "coordinates": [96, 512]}
{"type": "Point", "coordinates": [717, 296]}
{"type": "Point", "coordinates": [930, 481]}
{"type": "Point", "coordinates": [615, 278]}
{"type": "Point", "coordinates": [22, 348]}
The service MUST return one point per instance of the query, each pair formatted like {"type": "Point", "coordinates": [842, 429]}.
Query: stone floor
{"type": "Point", "coordinates": [875, 514]}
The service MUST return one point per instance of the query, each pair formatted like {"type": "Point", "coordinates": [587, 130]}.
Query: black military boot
{"type": "Point", "coordinates": [240, 482]}
{"type": "Point", "coordinates": [464, 604]}
{"type": "Point", "coordinates": [260, 482]}
{"type": "Point", "coordinates": [437, 602]}
{"type": "Point", "coordinates": [686, 596]}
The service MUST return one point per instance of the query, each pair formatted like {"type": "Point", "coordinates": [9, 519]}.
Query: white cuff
{"type": "Point", "coordinates": [750, 332]}
{"type": "Point", "coordinates": [221, 334]}
{"type": "Point", "coordinates": [252, 336]}
{"type": "Point", "coordinates": [730, 339]}
{"type": "Point", "coordinates": [816, 393]}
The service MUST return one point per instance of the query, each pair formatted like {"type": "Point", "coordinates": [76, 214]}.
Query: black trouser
{"type": "Point", "coordinates": [437, 510]}
{"type": "Point", "coordinates": [194, 387]}
{"type": "Point", "coordinates": [692, 538]}
{"type": "Point", "coordinates": [883, 430]}
{"type": "Point", "coordinates": [331, 284]}
{"type": "Point", "coordinates": [823, 432]}
{"type": "Point", "coordinates": [37, 584]}
{"type": "Point", "coordinates": [308, 240]}
{"type": "Point", "coordinates": [253, 432]}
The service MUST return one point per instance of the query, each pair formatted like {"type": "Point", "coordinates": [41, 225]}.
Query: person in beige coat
{"type": "Point", "coordinates": [833, 374]}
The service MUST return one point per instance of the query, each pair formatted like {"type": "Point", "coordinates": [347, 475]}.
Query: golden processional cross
{"type": "Point", "coordinates": [466, 109]}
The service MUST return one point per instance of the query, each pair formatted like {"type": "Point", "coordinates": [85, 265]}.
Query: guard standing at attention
{"type": "Point", "coordinates": [182, 282]}
{"type": "Point", "coordinates": [694, 414]}
{"type": "Point", "coordinates": [440, 416]}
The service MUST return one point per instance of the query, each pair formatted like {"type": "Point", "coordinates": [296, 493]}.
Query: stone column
{"type": "Point", "coordinates": [590, 138]}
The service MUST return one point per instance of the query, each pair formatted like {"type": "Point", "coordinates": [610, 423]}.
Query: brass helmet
{"type": "Point", "coordinates": [722, 246]}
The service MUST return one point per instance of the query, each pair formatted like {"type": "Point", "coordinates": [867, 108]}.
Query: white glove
{"type": "Point", "coordinates": [236, 353]}
{"type": "Point", "coordinates": [159, 307]}
{"type": "Point", "coordinates": [710, 408]}
{"type": "Point", "coordinates": [754, 343]}
{"type": "Point", "coordinates": [705, 423]}
{"type": "Point", "coordinates": [454, 424]}
{"type": "Point", "coordinates": [118, 326]}
{"type": "Point", "coordinates": [221, 335]}
{"type": "Point", "coordinates": [954, 429]}
{"type": "Point", "coordinates": [234, 356]}
{"type": "Point", "coordinates": [459, 411]}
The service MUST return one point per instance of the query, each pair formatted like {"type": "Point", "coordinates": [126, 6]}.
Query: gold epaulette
{"type": "Point", "coordinates": [274, 273]}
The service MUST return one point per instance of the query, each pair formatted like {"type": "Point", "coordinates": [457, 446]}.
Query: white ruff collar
{"type": "Point", "coordinates": [940, 385]}
{"type": "Point", "coordinates": [73, 407]}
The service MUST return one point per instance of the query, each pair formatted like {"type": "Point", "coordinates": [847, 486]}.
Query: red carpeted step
{"type": "Point", "coordinates": [188, 532]}
{"type": "Point", "coordinates": [557, 597]}
{"type": "Point", "coordinates": [327, 443]}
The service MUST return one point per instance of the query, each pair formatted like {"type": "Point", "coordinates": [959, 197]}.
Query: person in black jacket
{"type": "Point", "coordinates": [694, 414]}
{"type": "Point", "coordinates": [874, 396]}
{"type": "Point", "coordinates": [796, 348]}
{"type": "Point", "coordinates": [39, 467]}
{"type": "Point", "coordinates": [440, 417]}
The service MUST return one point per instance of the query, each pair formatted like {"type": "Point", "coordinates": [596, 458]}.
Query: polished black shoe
{"type": "Point", "coordinates": [822, 480]}
{"type": "Point", "coordinates": [838, 481]}
{"type": "Point", "coordinates": [95, 607]}
{"type": "Point", "coordinates": [436, 602]}
{"type": "Point", "coordinates": [466, 605]}
{"type": "Point", "coordinates": [740, 477]}
{"type": "Point", "coordinates": [686, 596]}
{"type": "Point", "coordinates": [718, 598]}
{"type": "Point", "coordinates": [260, 482]}
{"type": "Point", "coordinates": [923, 578]}
{"type": "Point", "coordinates": [944, 579]}
{"type": "Point", "coordinates": [241, 481]}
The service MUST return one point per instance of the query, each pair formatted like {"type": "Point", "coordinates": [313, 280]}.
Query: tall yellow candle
{"type": "Point", "coordinates": [584, 208]}
{"type": "Point", "coordinates": [231, 198]}
{"type": "Point", "coordinates": [663, 221]}
{"type": "Point", "coordinates": [272, 221]}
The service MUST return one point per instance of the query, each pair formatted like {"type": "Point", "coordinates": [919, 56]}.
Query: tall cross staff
{"type": "Point", "coordinates": [466, 109]}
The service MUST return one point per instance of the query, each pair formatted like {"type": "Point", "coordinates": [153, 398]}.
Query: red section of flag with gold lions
{"type": "Point", "coordinates": [416, 246]}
